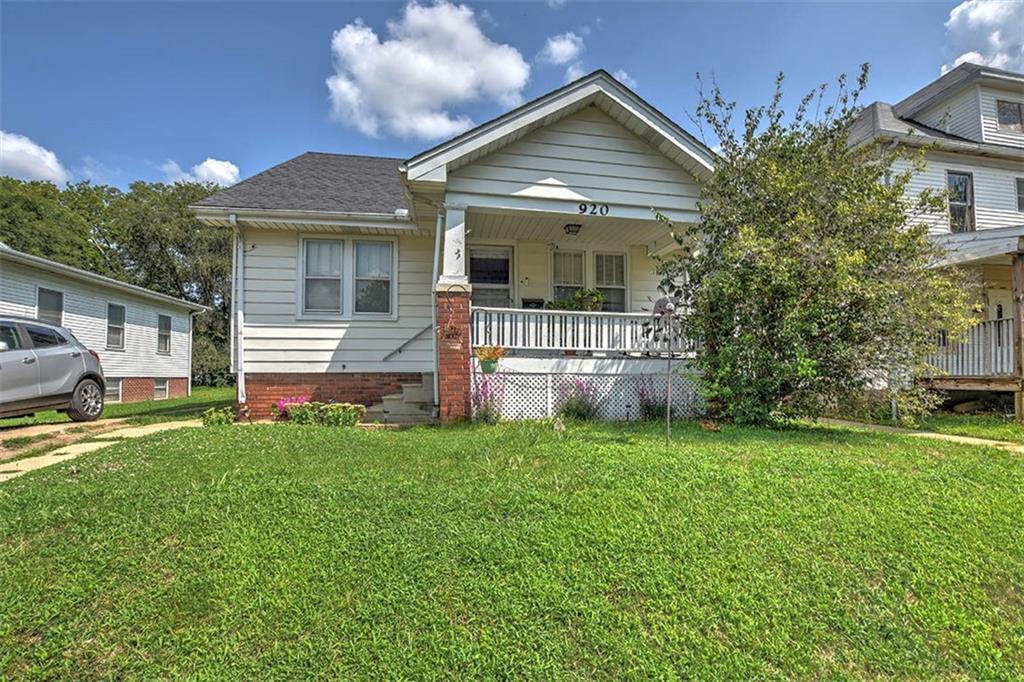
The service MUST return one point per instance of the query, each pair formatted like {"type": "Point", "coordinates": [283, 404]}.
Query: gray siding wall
{"type": "Point", "coordinates": [995, 189]}
{"type": "Point", "coordinates": [85, 314]}
{"type": "Point", "coordinates": [993, 135]}
{"type": "Point", "coordinates": [278, 339]}
{"type": "Point", "coordinates": [586, 157]}
{"type": "Point", "coordinates": [960, 115]}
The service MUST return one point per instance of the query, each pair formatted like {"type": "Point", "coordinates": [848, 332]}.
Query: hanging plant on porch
{"type": "Point", "coordinates": [488, 357]}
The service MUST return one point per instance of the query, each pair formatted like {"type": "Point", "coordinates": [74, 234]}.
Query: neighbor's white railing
{"type": "Point", "coordinates": [986, 351]}
{"type": "Point", "coordinates": [518, 329]}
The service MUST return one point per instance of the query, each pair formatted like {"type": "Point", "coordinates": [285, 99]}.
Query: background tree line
{"type": "Point", "coordinates": [144, 236]}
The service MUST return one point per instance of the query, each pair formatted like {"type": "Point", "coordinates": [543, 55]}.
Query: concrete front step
{"type": "Point", "coordinates": [414, 405]}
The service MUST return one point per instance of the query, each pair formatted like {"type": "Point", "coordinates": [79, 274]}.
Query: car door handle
{"type": "Point", "coordinates": [28, 361]}
{"type": "Point", "coordinates": [76, 354]}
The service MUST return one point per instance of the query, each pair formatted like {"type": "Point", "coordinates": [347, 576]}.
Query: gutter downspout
{"type": "Point", "coordinates": [239, 304]}
{"type": "Point", "coordinates": [191, 331]}
{"type": "Point", "coordinates": [433, 312]}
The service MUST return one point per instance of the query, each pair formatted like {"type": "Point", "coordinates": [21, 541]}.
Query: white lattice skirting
{"type": "Point", "coordinates": [619, 397]}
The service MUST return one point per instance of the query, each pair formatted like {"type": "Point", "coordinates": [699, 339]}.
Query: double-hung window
{"type": "Point", "coordinates": [1020, 194]}
{"type": "Point", "coordinates": [50, 306]}
{"type": "Point", "coordinates": [610, 280]}
{"type": "Point", "coordinates": [490, 274]}
{"type": "Point", "coordinates": [373, 277]}
{"type": "Point", "coordinates": [163, 334]}
{"type": "Point", "coordinates": [567, 274]}
{"type": "Point", "coordinates": [160, 391]}
{"type": "Point", "coordinates": [961, 201]}
{"type": "Point", "coordinates": [115, 326]}
{"type": "Point", "coordinates": [112, 394]}
{"type": "Point", "coordinates": [1010, 116]}
{"type": "Point", "coordinates": [321, 285]}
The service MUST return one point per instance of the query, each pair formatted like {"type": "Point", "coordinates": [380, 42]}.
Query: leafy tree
{"type": "Point", "coordinates": [811, 284]}
{"type": "Point", "coordinates": [35, 219]}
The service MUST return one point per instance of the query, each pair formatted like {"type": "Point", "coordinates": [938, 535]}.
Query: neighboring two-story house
{"type": "Point", "coordinates": [972, 119]}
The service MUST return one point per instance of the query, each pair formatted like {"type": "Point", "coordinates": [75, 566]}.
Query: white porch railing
{"type": "Point", "coordinates": [986, 351]}
{"type": "Point", "coordinates": [552, 330]}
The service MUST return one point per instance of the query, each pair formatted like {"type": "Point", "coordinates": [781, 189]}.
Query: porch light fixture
{"type": "Point", "coordinates": [572, 228]}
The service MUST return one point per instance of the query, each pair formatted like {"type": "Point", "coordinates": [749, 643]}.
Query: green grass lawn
{"type": "Point", "coordinates": [144, 412]}
{"type": "Point", "coordinates": [976, 425]}
{"type": "Point", "coordinates": [513, 551]}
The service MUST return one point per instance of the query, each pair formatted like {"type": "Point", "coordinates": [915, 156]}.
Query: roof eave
{"type": "Point", "coordinates": [221, 214]}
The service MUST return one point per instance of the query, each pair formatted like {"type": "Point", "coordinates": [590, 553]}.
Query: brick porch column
{"type": "Point", "coordinates": [454, 352]}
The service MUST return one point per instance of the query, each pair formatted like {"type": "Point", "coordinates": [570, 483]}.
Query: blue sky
{"type": "Point", "coordinates": [139, 90]}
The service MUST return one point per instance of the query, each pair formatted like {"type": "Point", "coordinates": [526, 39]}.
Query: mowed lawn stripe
{"type": "Point", "coordinates": [516, 551]}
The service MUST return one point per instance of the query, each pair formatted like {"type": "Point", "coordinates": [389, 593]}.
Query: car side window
{"type": "Point", "coordinates": [43, 337]}
{"type": "Point", "coordinates": [9, 335]}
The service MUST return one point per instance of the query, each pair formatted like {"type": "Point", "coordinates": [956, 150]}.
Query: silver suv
{"type": "Point", "coordinates": [44, 367]}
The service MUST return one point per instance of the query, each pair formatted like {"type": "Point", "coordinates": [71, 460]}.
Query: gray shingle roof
{"type": "Point", "coordinates": [956, 78]}
{"type": "Point", "coordinates": [314, 181]}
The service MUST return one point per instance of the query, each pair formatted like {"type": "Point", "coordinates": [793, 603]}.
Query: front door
{"type": "Point", "coordinates": [490, 274]}
{"type": "Point", "coordinates": [19, 370]}
{"type": "Point", "coordinates": [1000, 304]}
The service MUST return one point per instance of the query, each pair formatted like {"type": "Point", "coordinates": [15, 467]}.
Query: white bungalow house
{"type": "Point", "coordinates": [143, 338]}
{"type": "Point", "coordinates": [973, 119]}
{"type": "Point", "coordinates": [345, 265]}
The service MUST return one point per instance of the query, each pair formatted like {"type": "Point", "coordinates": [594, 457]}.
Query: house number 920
{"type": "Point", "coordinates": [594, 209]}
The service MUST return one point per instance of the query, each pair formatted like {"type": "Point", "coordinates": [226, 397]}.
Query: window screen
{"type": "Point", "coordinates": [115, 326]}
{"type": "Point", "coordinates": [373, 277]}
{"type": "Point", "coordinates": [50, 306]}
{"type": "Point", "coordinates": [322, 285]}
{"type": "Point", "coordinates": [567, 274]}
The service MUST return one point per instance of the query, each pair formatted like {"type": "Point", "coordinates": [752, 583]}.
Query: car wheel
{"type": "Point", "coordinates": [86, 402]}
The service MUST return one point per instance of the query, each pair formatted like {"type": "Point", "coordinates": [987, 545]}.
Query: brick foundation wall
{"type": "Point", "coordinates": [367, 388]}
{"type": "Point", "coordinates": [454, 356]}
{"type": "Point", "coordinates": [134, 389]}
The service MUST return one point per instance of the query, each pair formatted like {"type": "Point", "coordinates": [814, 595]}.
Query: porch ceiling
{"type": "Point", "coordinates": [550, 227]}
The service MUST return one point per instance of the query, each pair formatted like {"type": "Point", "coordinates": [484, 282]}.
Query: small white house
{"type": "Point", "coordinates": [347, 266]}
{"type": "Point", "coordinates": [143, 338]}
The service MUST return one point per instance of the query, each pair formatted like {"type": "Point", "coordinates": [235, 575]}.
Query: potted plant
{"type": "Point", "coordinates": [488, 357]}
{"type": "Point", "coordinates": [450, 336]}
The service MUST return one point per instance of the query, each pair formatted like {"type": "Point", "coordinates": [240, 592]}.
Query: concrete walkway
{"type": "Point", "coordinates": [949, 438]}
{"type": "Point", "coordinates": [9, 470]}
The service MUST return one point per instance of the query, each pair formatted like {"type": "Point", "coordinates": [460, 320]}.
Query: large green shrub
{"type": "Point", "coordinates": [812, 280]}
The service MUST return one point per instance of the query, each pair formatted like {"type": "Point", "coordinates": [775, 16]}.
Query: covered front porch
{"type": "Point", "coordinates": [990, 356]}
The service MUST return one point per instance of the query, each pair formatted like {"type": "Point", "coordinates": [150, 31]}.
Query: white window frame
{"type": "Point", "coordinates": [393, 279]}
{"type": "Point", "coordinates": [170, 334]}
{"type": "Point", "coordinates": [512, 279]}
{"type": "Point", "coordinates": [1011, 127]}
{"type": "Point", "coordinates": [124, 327]}
{"type": "Point", "coordinates": [60, 323]}
{"type": "Point", "coordinates": [120, 390]}
{"type": "Point", "coordinates": [348, 262]}
{"type": "Point", "coordinates": [625, 275]}
{"type": "Point", "coordinates": [1019, 184]}
{"type": "Point", "coordinates": [971, 204]}
{"type": "Point", "coordinates": [166, 389]}
{"type": "Point", "coordinates": [551, 271]}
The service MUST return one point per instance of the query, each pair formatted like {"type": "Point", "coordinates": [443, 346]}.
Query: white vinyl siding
{"type": "Point", "coordinates": [85, 314]}
{"type": "Point", "coordinates": [278, 338]}
{"type": "Point", "coordinates": [959, 115]}
{"type": "Point", "coordinates": [587, 158]}
{"type": "Point", "coordinates": [995, 189]}
{"type": "Point", "coordinates": [993, 134]}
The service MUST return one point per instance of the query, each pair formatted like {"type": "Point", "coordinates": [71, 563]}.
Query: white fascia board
{"type": "Point", "coordinates": [220, 216]}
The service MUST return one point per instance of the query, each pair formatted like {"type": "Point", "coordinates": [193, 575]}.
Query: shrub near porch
{"type": "Point", "coordinates": [514, 551]}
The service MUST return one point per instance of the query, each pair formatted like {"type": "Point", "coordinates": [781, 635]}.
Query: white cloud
{"type": "Point", "coordinates": [435, 57]}
{"type": "Point", "coordinates": [574, 71]}
{"type": "Point", "coordinates": [988, 32]}
{"type": "Point", "coordinates": [219, 172]}
{"type": "Point", "coordinates": [556, 4]}
{"type": "Point", "coordinates": [22, 158]}
{"type": "Point", "coordinates": [625, 79]}
{"type": "Point", "coordinates": [562, 49]}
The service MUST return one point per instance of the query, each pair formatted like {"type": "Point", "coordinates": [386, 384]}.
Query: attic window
{"type": "Point", "coordinates": [1010, 115]}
